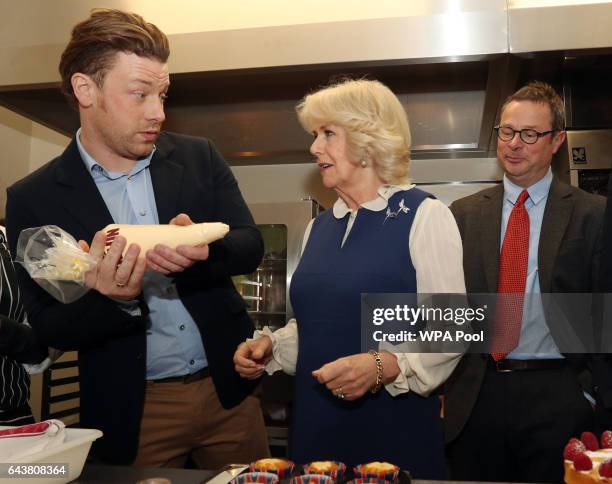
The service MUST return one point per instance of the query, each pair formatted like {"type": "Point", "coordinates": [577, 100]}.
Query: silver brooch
{"type": "Point", "coordinates": [401, 209]}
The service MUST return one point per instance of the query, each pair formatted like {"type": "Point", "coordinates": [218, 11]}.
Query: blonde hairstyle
{"type": "Point", "coordinates": [375, 122]}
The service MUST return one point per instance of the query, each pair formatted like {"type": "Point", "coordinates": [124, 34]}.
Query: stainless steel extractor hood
{"type": "Point", "coordinates": [451, 62]}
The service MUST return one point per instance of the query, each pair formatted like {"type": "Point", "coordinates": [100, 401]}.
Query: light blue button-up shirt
{"type": "Point", "coordinates": [535, 340]}
{"type": "Point", "coordinates": [174, 344]}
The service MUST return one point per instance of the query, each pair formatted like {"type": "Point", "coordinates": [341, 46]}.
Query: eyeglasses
{"type": "Point", "coordinates": [529, 136]}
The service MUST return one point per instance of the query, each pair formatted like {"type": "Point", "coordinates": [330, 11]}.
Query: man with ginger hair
{"type": "Point", "coordinates": [156, 333]}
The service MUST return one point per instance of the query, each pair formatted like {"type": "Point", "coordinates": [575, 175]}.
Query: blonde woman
{"type": "Point", "coordinates": [382, 235]}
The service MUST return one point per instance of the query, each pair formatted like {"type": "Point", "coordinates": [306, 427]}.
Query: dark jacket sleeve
{"type": "Point", "coordinates": [458, 210]}
{"type": "Point", "coordinates": [601, 364]}
{"type": "Point", "coordinates": [606, 266]}
{"type": "Point", "coordinates": [241, 250]}
{"type": "Point", "coordinates": [19, 341]}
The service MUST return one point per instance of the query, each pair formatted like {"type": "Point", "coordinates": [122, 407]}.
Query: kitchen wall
{"type": "Point", "coordinates": [45, 145]}
{"type": "Point", "coordinates": [15, 139]}
{"type": "Point", "coordinates": [25, 146]}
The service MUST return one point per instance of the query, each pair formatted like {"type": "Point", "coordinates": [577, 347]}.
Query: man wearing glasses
{"type": "Point", "coordinates": [509, 414]}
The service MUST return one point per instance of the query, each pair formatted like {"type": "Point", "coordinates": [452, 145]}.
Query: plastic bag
{"type": "Point", "coordinates": [54, 259]}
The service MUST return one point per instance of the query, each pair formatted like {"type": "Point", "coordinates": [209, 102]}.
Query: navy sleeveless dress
{"type": "Point", "coordinates": [325, 293]}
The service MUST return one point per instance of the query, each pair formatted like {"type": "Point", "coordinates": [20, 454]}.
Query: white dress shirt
{"type": "Point", "coordinates": [437, 255]}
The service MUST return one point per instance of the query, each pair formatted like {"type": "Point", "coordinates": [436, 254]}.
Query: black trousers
{"type": "Point", "coordinates": [519, 426]}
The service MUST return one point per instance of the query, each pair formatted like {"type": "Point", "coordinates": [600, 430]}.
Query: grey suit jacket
{"type": "Point", "coordinates": [568, 261]}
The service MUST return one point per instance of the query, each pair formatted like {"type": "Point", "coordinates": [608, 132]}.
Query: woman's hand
{"type": "Point", "coordinates": [251, 357]}
{"type": "Point", "coordinates": [351, 377]}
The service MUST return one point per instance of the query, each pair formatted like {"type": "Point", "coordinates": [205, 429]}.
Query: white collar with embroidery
{"type": "Point", "coordinates": [385, 192]}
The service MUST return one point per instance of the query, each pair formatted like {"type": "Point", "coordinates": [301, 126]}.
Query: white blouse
{"type": "Point", "coordinates": [437, 255]}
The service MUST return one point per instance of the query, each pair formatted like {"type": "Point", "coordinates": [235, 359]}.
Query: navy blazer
{"type": "Point", "coordinates": [189, 176]}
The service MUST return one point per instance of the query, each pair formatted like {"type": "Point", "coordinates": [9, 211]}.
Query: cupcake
{"type": "Point", "coordinates": [312, 479]}
{"type": "Point", "coordinates": [368, 480]}
{"type": "Point", "coordinates": [329, 468]}
{"type": "Point", "coordinates": [256, 477]}
{"type": "Point", "coordinates": [281, 467]}
{"type": "Point", "coordinates": [377, 470]}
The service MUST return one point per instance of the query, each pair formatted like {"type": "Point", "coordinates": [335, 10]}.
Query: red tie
{"type": "Point", "coordinates": [511, 282]}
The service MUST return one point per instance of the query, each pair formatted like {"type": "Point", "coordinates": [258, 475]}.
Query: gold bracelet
{"type": "Point", "coordinates": [379, 371]}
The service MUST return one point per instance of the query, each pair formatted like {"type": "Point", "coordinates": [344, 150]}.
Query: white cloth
{"type": "Point", "coordinates": [44, 364]}
{"type": "Point", "coordinates": [437, 255]}
{"type": "Point", "coordinates": [17, 443]}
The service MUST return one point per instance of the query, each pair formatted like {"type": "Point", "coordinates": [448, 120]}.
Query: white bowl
{"type": "Point", "coordinates": [73, 452]}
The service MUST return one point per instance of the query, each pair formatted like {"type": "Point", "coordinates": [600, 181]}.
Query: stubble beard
{"type": "Point", "coordinates": [123, 144]}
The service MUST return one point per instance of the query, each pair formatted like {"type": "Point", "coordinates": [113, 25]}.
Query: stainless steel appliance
{"type": "Point", "coordinates": [266, 292]}
{"type": "Point", "coordinates": [585, 161]}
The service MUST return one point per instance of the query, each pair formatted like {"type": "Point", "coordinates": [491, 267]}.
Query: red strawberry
{"type": "Point", "coordinates": [589, 440]}
{"type": "Point", "coordinates": [606, 440]}
{"type": "Point", "coordinates": [605, 469]}
{"type": "Point", "coordinates": [582, 462]}
{"type": "Point", "coordinates": [573, 448]}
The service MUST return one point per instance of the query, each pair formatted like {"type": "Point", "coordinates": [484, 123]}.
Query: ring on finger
{"type": "Point", "coordinates": [119, 284]}
{"type": "Point", "coordinates": [339, 393]}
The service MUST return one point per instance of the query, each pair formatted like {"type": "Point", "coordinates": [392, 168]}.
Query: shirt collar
{"type": "Point", "coordinates": [385, 192]}
{"type": "Point", "coordinates": [537, 192]}
{"type": "Point", "coordinates": [93, 166]}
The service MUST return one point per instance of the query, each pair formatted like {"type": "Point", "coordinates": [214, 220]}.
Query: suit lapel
{"type": "Point", "coordinates": [83, 202]}
{"type": "Point", "coordinates": [557, 213]}
{"type": "Point", "coordinates": [79, 193]}
{"type": "Point", "coordinates": [490, 215]}
{"type": "Point", "coordinates": [167, 178]}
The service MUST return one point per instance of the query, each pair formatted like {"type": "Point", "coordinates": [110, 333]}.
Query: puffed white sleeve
{"type": "Point", "coordinates": [437, 255]}
{"type": "Point", "coordinates": [284, 347]}
{"type": "Point", "coordinates": [285, 339]}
